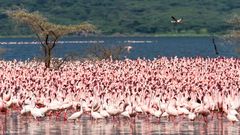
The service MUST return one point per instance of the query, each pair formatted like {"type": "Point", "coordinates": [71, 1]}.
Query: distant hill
{"type": "Point", "coordinates": [123, 17]}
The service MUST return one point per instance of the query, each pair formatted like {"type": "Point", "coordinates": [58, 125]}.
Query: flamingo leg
{"type": "Point", "coordinates": [65, 115]}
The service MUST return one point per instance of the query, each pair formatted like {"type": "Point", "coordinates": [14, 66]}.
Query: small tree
{"type": "Point", "coordinates": [233, 36]}
{"type": "Point", "coordinates": [100, 51]}
{"type": "Point", "coordinates": [47, 33]}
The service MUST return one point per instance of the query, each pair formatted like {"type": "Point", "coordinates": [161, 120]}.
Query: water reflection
{"type": "Point", "coordinates": [15, 124]}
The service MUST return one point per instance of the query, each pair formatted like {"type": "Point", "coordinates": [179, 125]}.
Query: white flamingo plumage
{"type": "Point", "coordinates": [112, 110]}
{"type": "Point", "coordinates": [192, 116]}
{"type": "Point", "coordinates": [125, 114]}
{"type": "Point", "coordinates": [7, 95]}
{"type": "Point", "coordinates": [26, 108]}
{"type": "Point", "coordinates": [128, 48]}
{"type": "Point", "coordinates": [103, 112]}
{"type": "Point", "coordinates": [182, 110]}
{"type": "Point", "coordinates": [232, 117]}
{"type": "Point", "coordinates": [76, 115]}
{"type": "Point", "coordinates": [176, 21]}
{"type": "Point", "coordinates": [96, 115]}
{"type": "Point", "coordinates": [37, 113]}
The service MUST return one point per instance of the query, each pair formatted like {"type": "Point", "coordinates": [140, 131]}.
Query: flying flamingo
{"type": "Point", "coordinates": [176, 21]}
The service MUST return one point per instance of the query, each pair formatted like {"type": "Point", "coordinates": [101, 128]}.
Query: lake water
{"type": "Point", "coordinates": [143, 47]}
{"type": "Point", "coordinates": [16, 124]}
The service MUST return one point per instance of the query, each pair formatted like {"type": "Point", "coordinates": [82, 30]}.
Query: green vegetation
{"type": "Point", "coordinates": [47, 33]}
{"type": "Point", "coordinates": [128, 17]}
{"type": "Point", "coordinates": [233, 35]}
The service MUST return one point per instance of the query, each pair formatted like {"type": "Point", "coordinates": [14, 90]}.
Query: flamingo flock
{"type": "Point", "coordinates": [183, 88]}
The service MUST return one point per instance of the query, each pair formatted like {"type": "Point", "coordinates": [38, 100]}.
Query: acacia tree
{"type": "Point", "coordinates": [233, 35]}
{"type": "Point", "coordinates": [47, 33]}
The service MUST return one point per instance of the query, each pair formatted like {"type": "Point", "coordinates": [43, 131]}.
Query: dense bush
{"type": "Point", "coordinates": [128, 17]}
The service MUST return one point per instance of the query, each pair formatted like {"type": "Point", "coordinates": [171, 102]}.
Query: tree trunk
{"type": "Point", "coordinates": [48, 57]}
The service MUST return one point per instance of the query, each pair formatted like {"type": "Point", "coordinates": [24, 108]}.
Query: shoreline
{"type": "Point", "coordinates": [126, 35]}
{"type": "Point", "coordinates": [29, 60]}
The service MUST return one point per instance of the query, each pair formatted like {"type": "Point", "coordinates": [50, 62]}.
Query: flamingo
{"type": "Point", "coordinates": [125, 114]}
{"type": "Point", "coordinates": [113, 110]}
{"type": "Point", "coordinates": [76, 115]}
{"type": "Point", "coordinates": [158, 113]}
{"type": "Point", "coordinates": [2, 105]}
{"type": "Point", "coordinates": [202, 110]}
{"type": "Point", "coordinates": [104, 113]}
{"type": "Point", "coordinates": [182, 110]}
{"type": "Point", "coordinates": [176, 21]}
{"type": "Point", "coordinates": [128, 111]}
{"type": "Point", "coordinates": [7, 96]}
{"type": "Point", "coordinates": [54, 105]}
{"type": "Point", "coordinates": [65, 106]}
{"type": "Point", "coordinates": [165, 114]}
{"type": "Point", "coordinates": [171, 109]}
{"type": "Point", "coordinates": [96, 115]}
{"type": "Point", "coordinates": [232, 117]}
{"type": "Point", "coordinates": [136, 82]}
{"type": "Point", "coordinates": [156, 109]}
{"type": "Point", "coordinates": [232, 114]}
{"type": "Point", "coordinates": [37, 113]}
{"type": "Point", "coordinates": [138, 109]}
{"type": "Point", "coordinates": [85, 106]}
{"type": "Point", "coordinates": [27, 108]}
{"type": "Point", "coordinates": [192, 116]}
